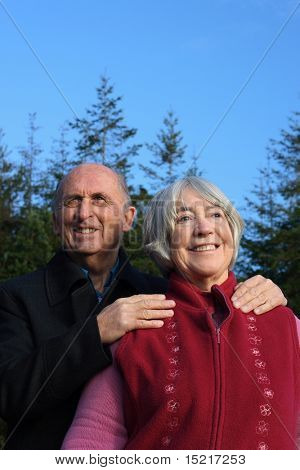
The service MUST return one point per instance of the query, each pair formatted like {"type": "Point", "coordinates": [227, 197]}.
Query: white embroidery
{"type": "Point", "coordinates": [260, 364]}
{"type": "Point", "coordinates": [166, 441]}
{"type": "Point", "coordinates": [174, 360]}
{"type": "Point", "coordinates": [173, 373]}
{"type": "Point", "coordinates": [262, 446]}
{"type": "Point", "coordinates": [170, 389]}
{"type": "Point", "coordinates": [171, 338]}
{"type": "Point", "coordinates": [173, 422]}
{"type": "Point", "coordinates": [268, 393]}
{"type": "Point", "coordinates": [262, 378]}
{"type": "Point", "coordinates": [255, 351]}
{"type": "Point", "coordinates": [251, 318]}
{"type": "Point", "coordinates": [255, 339]}
{"type": "Point", "coordinates": [173, 406]}
{"type": "Point", "coordinates": [262, 428]}
{"type": "Point", "coordinates": [265, 409]}
{"type": "Point", "coordinates": [252, 327]}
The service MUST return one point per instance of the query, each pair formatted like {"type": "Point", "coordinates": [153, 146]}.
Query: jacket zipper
{"type": "Point", "coordinates": [218, 391]}
{"type": "Point", "coordinates": [219, 378]}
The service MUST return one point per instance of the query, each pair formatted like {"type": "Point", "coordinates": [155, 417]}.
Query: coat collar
{"type": "Point", "coordinates": [183, 291]}
{"type": "Point", "coordinates": [63, 276]}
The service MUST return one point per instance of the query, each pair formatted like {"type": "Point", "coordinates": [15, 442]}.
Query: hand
{"type": "Point", "coordinates": [131, 313]}
{"type": "Point", "coordinates": [258, 294]}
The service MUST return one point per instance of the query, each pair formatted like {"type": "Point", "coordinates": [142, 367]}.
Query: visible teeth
{"type": "Point", "coordinates": [85, 230]}
{"type": "Point", "coordinates": [205, 248]}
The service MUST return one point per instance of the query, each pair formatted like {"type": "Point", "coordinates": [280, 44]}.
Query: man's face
{"type": "Point", "coordinates": [92, 215]}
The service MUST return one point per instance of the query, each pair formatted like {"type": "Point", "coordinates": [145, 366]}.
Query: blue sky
{"type": "Point", "coordinates": [192, 56]}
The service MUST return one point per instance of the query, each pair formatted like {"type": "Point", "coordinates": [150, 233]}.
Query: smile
{"type": "Point", "coordinates": [84, 230]}
{"type": "Point", "coordinates": [205, 248]}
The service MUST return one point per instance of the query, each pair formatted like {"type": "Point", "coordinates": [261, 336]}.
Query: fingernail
{"type": "Point", "coordinates": [257, 311]}
{"type": "Point", "coordinates": [245, 309]}
{"type": "Point", "coordinates": [236, 304]}
{"type": "Point", "coordinates": [234, 298]}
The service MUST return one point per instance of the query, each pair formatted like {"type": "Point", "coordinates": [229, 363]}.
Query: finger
{"type": "Point", "coordinates": [263, 308]}
{"type": "Point", "coordinates": [251, 283]}
{"type": "Point", "coordinates": [254, 304]}
{"type": "Point", "coordinates": [156, 314]}
{"type": "Point", "coordinates": [272, 301]}
{"type": "Point", "coordinates": [141, 297]}
{"type": "Point", "coordinates": [146, 324]}
{"type": "Point", "coordinates": [238, 285]}
{"type": "Point", "coordinates": [259, 292]}
{"type": "Point", "coordinates": [149, 304]}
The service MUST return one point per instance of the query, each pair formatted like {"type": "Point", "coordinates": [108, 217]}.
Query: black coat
{"type": "Point", "coordinates": [50, 346]}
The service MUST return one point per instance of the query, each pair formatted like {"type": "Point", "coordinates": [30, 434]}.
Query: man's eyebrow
{"type": "Point", "coordinates": [73, 195]}
{"type": "Point", "coordinates": [70, 196]}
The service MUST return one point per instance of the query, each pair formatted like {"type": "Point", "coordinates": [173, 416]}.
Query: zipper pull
{"type": "Point", "coordinates": [218, 335]}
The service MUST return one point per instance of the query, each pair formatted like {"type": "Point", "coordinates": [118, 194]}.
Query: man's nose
{"type": "Point", "coordinates": [84, 209]}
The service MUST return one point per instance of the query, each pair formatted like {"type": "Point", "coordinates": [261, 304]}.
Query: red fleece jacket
{"type": "Point", "coordinates": [191, 385]}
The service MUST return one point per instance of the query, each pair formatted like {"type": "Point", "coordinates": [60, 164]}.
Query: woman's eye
{"type": "Point", "coordinates": [183, 218]}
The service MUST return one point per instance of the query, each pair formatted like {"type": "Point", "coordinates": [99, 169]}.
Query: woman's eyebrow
{"type": "Point", "coordinates": [184, 209]}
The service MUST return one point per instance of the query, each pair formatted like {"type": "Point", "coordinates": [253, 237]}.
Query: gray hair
{"type": "Point", "coordinates": [56, 200]}
{"type": "Point", "coordinates": [159, 222]}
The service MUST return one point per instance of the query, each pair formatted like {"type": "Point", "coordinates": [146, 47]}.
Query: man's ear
{"type": "Point", "coordinates": [128, 218]}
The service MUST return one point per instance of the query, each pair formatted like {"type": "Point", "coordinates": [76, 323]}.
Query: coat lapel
{"type": "Point", "coordinates": [84, 301]}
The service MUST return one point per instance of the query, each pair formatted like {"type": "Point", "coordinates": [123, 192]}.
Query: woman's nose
{"type": "Point", "coordinates": [203, 226]}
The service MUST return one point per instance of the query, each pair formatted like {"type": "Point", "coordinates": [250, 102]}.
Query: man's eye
{"type": "Point", "coordinates": [72, 202]}
{"type": "Point", "coordinates": [98, 199]}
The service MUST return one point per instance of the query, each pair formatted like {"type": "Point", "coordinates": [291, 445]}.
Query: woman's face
{"type": "Point", "coordinates": [202, 243]}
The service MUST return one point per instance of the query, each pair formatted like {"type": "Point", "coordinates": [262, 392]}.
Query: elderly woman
{"type": "Point", "coordinates": [212, 377]}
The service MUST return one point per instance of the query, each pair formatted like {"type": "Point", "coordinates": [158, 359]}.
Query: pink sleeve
{"type": "Point", "coordinates": [298, 424]}
{"type": "Point", "coordinates": [298, 327]}
{"type": "Point", "coordinates": [99, 421]}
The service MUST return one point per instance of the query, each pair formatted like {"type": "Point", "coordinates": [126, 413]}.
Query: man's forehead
{"type": "Point", "coordinates": [90, 181]}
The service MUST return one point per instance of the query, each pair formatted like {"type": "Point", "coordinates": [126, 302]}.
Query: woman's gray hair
{"type": "Point", "coordinates": [160, 218]}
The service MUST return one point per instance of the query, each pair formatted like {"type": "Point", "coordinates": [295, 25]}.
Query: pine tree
{"type": "Point", "coordinates": [168, 153]}
{"type": "Point", "coordinates": [104, 136]}
{"type": "Point", "coordinates": [271, 243]}
{"type": "Point", "coordinates": [57, 166]}
{"type": "Point", "coordinates": [30, 157]}
{"type": "Point", "coordinates": [31, 242]}
{"type": "Point", "coordinates": [133, 240]}
{"type": "Point", "coordinates": [194, 169]}
{"type": "Point", "coordinates": [8, 198]}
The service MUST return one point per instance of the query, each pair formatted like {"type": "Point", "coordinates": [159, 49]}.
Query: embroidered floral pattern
{"type": "Point", "coordinates": [262, 446]}
{"type": "Point", "coordinates": [172, 404]}
{"type": "Point", "coordinates": [265, 409]}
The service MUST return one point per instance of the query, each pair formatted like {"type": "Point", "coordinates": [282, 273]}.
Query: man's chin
{"type": "Point", "coordinates": [90, 251]}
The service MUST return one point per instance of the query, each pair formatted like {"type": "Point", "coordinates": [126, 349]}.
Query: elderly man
{"type": "Point", "coordinates": [56, 323]}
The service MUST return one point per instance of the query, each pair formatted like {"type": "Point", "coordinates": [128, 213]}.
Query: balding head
{"type": "Point", "coordinates": [87, 172]}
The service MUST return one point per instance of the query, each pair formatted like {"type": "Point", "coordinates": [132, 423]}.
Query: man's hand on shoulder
{"type": "Point", "coordinates": [131, 313]}
{"type": "Point", "coordinates": [258, 294]}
